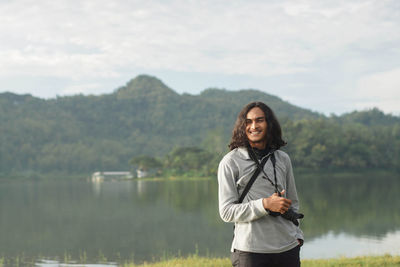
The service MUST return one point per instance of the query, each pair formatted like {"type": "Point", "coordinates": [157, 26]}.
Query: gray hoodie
{"type": "Point", "coordinates": [255, 230]}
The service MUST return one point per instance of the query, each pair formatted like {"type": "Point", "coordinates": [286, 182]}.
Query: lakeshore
{"type": "Point", "coordinates": [199, 261]}
{"type": "Point", "coordinates": [196, 261]}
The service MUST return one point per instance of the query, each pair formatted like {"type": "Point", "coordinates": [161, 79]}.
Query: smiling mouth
{"type": "Point", "coordinates": [255, 132]}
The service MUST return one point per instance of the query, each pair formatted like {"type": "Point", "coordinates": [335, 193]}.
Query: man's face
{"type": "Point", "coordinates": [256, 128]}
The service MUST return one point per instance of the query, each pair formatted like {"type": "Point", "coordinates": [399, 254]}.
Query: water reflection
{"type": "Point", "coordinates": [53, 263]}
{"type": "Point", "coordinates": [112, 187]}
{"type": "Point", "coordinates": [145, 219]}
{"type": "Point", "coordinates": [141, 187]}
{"type": "Point", "coordinates": [97, 187]}
{"type": "Point", "coordinates": [358, 205]}
{"type": "Point", "coordinates": [351, 246]}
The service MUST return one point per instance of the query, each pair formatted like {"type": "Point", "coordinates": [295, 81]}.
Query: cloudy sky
{"type": "Point", "coordinates": [328, 56]}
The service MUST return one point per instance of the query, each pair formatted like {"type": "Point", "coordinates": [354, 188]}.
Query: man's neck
{"type": "Point", "coordinates": [258, 145]}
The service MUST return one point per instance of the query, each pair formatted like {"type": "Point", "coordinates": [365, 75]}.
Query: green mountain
{"type": "Point", "coordinates": [82, 134]}
{"type": "Point", "coordinates": [370, 118]}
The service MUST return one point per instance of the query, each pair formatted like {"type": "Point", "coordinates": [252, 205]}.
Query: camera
{"type": "Point", "coordinates": [290, 215]}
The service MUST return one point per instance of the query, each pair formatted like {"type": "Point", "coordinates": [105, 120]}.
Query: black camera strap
{"type": "Point", "coordinates": [260, 168]}
{"type": "Point", "coordinates": [253, 156]}
{"type": "Point", "coordinates": [273, 160]}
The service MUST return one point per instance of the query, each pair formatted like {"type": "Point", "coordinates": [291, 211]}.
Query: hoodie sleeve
{"type": "Point", "coordinates": [229, 208]}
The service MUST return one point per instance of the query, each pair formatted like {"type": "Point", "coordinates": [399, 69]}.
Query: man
{"type": "Point", "coordinates": [261, 237]}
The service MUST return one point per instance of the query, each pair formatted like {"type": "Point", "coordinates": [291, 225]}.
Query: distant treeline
{"type": "Point", "coordinates": [83, 134]}
{"type": "Point", "coordinates": [316, 144]}
{"type": "Point", "coordinates": [332, 144]}
{"type": "Point", "coordinates": [181, 161]}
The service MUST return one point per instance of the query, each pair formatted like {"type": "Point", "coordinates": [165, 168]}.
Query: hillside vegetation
{"type": "Point", "coordinates": [81, 134]}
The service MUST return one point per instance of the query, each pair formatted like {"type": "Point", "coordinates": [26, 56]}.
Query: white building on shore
{"type": "Point", "coordinates": [111, 175]}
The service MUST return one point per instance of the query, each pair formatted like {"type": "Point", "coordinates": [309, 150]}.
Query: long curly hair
{"type": "Point", "coordinates": [274, 132]}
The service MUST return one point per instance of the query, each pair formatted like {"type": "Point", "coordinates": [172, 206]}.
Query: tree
{"type": "Point", "coordinates": [145, 162]}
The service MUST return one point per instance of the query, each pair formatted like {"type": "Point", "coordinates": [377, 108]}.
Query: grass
{"type": "Point", "coordinates": [192, 261]}
{"type": "Point", "coordinates": [196, 261]}
{"type": "Point", "coordinates": [370, 261]}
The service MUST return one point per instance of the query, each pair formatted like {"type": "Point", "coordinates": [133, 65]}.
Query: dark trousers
{"type": "Point", "coordinates": [290, 258]}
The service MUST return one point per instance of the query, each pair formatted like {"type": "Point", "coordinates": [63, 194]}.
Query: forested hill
{"type": "Point", "coordinates": [81, 134]}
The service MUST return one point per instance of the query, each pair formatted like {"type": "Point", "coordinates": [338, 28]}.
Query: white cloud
{"type": "Point", "coordinates": [380, 89]}
{"type": "Point", "coordinates": [85, 40]}
{"type": "Point", "coordinates": [242, 37]}
{"type": "Point", "coordinates": [77, 89]}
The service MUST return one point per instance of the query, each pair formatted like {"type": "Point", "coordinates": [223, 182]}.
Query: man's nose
{"type": "Point", "coordinates": [253, 125]}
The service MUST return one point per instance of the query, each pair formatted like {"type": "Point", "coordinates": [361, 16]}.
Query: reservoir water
{"type": "Point", "coordinates": [146, 220]}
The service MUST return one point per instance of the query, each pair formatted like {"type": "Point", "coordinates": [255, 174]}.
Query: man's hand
{"type": "Point", "coordinates": [276, 203]}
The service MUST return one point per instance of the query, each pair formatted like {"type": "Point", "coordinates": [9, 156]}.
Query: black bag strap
{"type": "Point", "coordinates": [259, 168]}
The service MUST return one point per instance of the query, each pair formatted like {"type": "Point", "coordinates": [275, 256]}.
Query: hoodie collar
{"type": "Point", "coordinates": [244, 154]}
